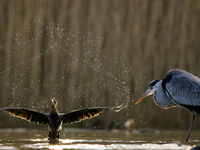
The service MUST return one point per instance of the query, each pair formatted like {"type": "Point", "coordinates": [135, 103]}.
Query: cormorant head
{"type": "Point", "coordinates": [151, 88]}
{"type": "Point", "coordinates": [54, 101]}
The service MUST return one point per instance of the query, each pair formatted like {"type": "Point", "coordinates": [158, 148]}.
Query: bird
{"type": "Point", "coordinates": [54, 119]}
{"type": "Point", "coordinates": [129, 125]}
{"type": "Point", "coordinates": [177, 88]}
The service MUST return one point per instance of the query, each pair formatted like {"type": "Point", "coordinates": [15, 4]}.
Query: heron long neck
{"type": "Point", "coordinates": [161, 98]}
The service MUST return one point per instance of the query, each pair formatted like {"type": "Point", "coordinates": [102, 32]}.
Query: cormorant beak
{"type": "Point", "coordinates": [53, 101]}
{"type": "Point", "coordinates": [146, 93]}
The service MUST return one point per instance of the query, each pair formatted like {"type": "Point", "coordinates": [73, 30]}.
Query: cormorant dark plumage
{"type": "Point", "coordinates": [178, 88]}
{"type": "Point", "coordinates": [54, 119]}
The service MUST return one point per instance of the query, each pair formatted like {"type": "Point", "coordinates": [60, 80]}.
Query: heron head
{"type": "Point", "coordinates": [53, 101]}
{"type": "Point", "coordinates": [151, 88]}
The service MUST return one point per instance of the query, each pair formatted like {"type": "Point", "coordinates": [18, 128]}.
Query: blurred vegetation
{"type": "Point", "coordinates": [91, 53]}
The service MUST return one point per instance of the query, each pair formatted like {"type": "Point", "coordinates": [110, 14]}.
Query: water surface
{"type": "Point", "coordinates": [97, 139]}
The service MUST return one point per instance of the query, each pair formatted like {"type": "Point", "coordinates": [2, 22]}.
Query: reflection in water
{"type": "Point", "coordinates": [96, 139]}
{"type": "Point", "coordinates": [96, 144]}
{"type": "Point", "coordinates": [2, 147]}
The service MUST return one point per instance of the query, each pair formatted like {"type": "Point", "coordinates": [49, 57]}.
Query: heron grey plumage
{"type": "Point", "coordinates": [178, 88]}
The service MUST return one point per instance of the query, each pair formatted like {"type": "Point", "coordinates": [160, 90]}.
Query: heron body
{"type": "Point", "coordinates": [54, 119]}
{"type": "Point", "coordinates": [178, 88]}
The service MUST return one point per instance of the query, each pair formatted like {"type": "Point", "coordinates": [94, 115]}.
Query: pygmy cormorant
{"type": "Point", "coordinates": [54, 119]}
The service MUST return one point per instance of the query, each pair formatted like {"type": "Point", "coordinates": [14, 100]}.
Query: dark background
{"type": "Point", "coordinates": [90, 53]}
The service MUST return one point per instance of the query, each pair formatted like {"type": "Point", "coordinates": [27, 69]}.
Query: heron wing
{"type": "Point", "coordinates": [82, 114]}
{"type": "Point", "coordinates": [27, 114]}
{"type": "Point", "coordinates": [182, 87]}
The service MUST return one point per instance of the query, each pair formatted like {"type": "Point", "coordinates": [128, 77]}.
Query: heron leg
{"type": "Point", "coordinates": [190, 128]}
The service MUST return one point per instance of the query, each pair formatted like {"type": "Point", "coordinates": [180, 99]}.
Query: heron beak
{"type": "Point", "coordinates": [146, 93]}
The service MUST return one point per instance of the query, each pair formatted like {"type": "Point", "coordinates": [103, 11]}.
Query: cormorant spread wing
{"type": "Point", "coordinates": [82, 114]}
{"type": "Point", "coordinates": [27, 114]}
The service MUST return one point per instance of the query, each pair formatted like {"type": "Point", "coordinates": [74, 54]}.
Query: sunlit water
{"type": "Point", "coordinates": [96, 139]}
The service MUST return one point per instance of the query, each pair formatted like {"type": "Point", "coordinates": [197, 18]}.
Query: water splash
{"type": "Point", "coordinates": [61, 42]}
{"type": "Point", "coordinates": [119, 108]}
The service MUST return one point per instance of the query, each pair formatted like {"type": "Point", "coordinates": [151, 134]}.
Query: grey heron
{"type": "Point", "coordinates": [178, 88]}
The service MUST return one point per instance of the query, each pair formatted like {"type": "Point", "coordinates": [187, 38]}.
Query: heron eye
{"type": "Point", "coordinates": [151, 87]}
